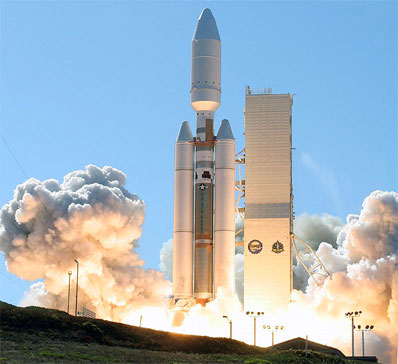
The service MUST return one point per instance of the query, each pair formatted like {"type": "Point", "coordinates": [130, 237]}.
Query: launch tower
{"type": "Point", "coordinates": [268, 201]}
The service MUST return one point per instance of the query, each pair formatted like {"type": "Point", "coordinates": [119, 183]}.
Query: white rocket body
{"type": "Point", "coordinates": [198, 227]}
{"type": "Point", "coordinates": [183, 213]}
{"type": "Point", "coordinates": [224, 226]}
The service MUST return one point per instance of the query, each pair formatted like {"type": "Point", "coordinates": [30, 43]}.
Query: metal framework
{"type": "Point", "coordinates": [315, 267]}
{"type": "Point", "coordinates": [240, 187]}
{"type": "Point", "coordinates": [240, 183]}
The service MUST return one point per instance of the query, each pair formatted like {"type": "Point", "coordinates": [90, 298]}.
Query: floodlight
{"type": "Point", "coordinates": [371, 327]}
{"type": "Point", "coordinates": [70, 272]}
{"type": "Point", "coordinates": [356, 312]}
{"type": "Point", "coordinates": [359, 327]}
{"type": "Point", "coordinates": [282, 327]}
{"type": "Point", "coordinates": [268, 327]}
{"type": "Point", "coordinates": [367, 327]}
{"type": "Point", "coordinates": [276, 327]}
{"type": "Point", "coordinates": [247, 313]}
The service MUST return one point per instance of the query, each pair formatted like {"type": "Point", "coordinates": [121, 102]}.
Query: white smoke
{"type": "Point", "coordinates": [314, 230]}
{"type": "Point", "coordinates": [166, 259]}
{"type": "Point", "coordinates": [364, 268]}
{"type": "Point", "coordinates": [362, 258]}
{"type": "Point", "coordinates": [93, 218]}
{"type": "Point", "coordinates": [90, 217]}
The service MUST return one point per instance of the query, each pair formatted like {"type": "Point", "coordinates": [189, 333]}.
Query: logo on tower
{"type": "Point", "coordinates": [277, 247]}
{"type": "Point", "coordinates": [255, 246]}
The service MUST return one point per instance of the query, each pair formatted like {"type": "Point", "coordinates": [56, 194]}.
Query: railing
{"type": "Point", "coordinates": [258, 91]}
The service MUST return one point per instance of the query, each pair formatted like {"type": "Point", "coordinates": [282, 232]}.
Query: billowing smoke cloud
{"type": "Point", "coordinates": [166, 259]}
{"type": "Point", "coordinates": [362, 259]}
{"type": "Point", "coordinates": [90, 217]}
{"type": "Point", "coordinates": [314, 230]}
{"type": "Point", "coordinates": [364, 267]}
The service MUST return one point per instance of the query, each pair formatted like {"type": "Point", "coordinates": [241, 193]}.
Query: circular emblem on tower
{"type": "Point", "coordinates": [255, 246]}
{"type": "Point", "coordinates": [277, 247]}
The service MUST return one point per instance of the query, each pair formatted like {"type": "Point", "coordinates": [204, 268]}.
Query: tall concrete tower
{"type": "Point", "coordinates": [268, 202]}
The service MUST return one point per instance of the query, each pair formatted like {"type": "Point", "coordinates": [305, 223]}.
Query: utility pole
{"type": "Point", "coordinates": [230, 326]}
{"type": "Point", "coordinates": [306, 345]}
{"type": "Point", "coordinates": [268, 327]}
{"type": "Point", "coordinates": [254, 330]}
{"type": "Point", "coordinates": [69, 274]}
{"type": "Point", "coordinates": [352, 335]}
{"type": "Point", "coordinates": [254, 315]}
{"type": "Point", "coordinates": [363, 343]}
{"type": "Point", "coordinates": [352, 315]}
{"type": "Point", "coordinates": [77, 284]}
{"type": "Point", "coordinates": [363, 329]}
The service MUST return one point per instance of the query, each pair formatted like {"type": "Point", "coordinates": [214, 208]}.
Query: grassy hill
{"type": "Point", "coordinates": [39, 335]}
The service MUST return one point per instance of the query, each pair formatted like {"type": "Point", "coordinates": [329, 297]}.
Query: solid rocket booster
{"type": "Point", "coordinates": [183, 213]}
{"type": "Point", "coordinates": [224, 226]}
{"type": "Point", "coordinates": [194, 199]}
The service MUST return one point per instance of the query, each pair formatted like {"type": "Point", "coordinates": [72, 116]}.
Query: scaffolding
{"type": "Point", "coordinates": [315, 268]}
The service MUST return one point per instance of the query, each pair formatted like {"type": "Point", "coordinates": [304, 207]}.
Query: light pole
{"type": "Point", "coordinates": [306, 345]}
{"type": "Point", "coordinates": [230, 326]}
{"type": "Point", "coordinates": [352, 315]}
{"type": "Point", "coordinates": [77, 284]}
{"type": "Point", "coordinates": [69, 274]}
{"type": "Point", "coordinates": [254, 315]}
{"type": "Point", "coordinates": [363, 329]}
{"type": "Point", "coordinates": [268, 327]}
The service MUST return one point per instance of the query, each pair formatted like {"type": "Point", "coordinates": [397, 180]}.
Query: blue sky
{"type": "Point", "coordinates": [108, 83]}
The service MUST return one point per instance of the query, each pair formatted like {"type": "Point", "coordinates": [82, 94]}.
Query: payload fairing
{"type": "Point", "coordinates": [204, 189]}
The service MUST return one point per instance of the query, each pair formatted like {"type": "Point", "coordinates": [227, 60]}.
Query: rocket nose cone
{"type": "Point", "coordinates": [225, 131]}
{"type": "Point", "coordinates": [185, 133]}
{"type": "Point", "coordinates": [206, 27]}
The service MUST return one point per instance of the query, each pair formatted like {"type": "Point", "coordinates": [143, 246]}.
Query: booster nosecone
{"type": "Point", "coordinates": [206, 64]}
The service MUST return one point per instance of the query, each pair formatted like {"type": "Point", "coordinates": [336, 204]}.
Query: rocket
{"type": "Point", "coordinates": [204, 186]}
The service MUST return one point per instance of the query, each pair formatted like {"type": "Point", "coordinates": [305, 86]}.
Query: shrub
{"type": "Point", "coordinates": [93, 330]}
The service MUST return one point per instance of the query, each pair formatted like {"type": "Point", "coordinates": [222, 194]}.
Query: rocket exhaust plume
{"type": "Point", "coordinates": [362, 257]}
{"type": "Point", "coordinates": [90, 217]}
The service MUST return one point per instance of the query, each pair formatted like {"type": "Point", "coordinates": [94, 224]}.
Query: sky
{"type": "Point", "coordinates": [107, 83]}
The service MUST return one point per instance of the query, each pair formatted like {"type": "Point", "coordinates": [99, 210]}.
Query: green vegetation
{"type": "Point", "coordinates": [38, 335]}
